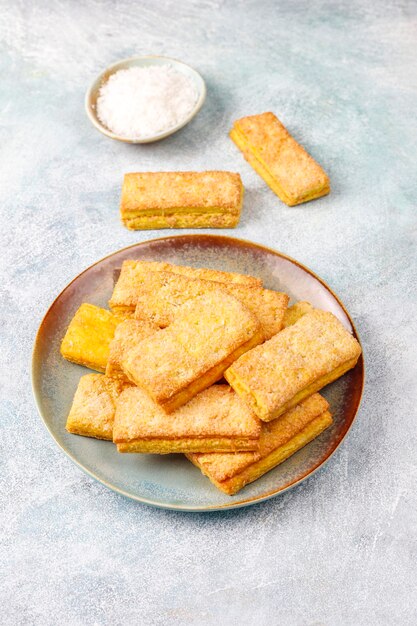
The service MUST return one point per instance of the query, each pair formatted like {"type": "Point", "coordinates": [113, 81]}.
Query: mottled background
{"type": "Point", "coordinates": [340, 549]}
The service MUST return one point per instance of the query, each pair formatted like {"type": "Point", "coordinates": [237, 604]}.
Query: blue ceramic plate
{"type": "Point", "coordinates": [171, 481]}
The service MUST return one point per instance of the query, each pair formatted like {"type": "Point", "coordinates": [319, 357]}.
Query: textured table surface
{"type": "Point", "coordinates": [341, 548]}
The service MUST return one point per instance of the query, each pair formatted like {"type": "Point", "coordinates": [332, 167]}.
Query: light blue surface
{"type": "Point", "coordinates": [341, 549]}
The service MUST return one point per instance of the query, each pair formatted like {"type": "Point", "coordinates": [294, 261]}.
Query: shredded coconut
{"type": "Point", "coordinates": [143, 101]}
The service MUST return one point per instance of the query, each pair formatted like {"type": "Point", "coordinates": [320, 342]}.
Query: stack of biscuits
{"type": "Point", "coordinates": [205, 363]}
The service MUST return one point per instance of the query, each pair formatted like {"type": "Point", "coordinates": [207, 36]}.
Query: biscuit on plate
{"type": "Point", "coordinates": [163, 293]}
{"type": "Point", "coordinates": [177, 362]}
{"type": "Point", "coordinates": [181, 200]}
{"type": "Point", "coordinates": [93, 408]}
{"type": "Point", "coordinates": [294, 364]}
{"type": "Point", "coordinates": [133, 273]}
{"type": "Point", "coordinates": [278, 440]}
{"type": "Point", "coordinates": [203, 273]}
{"type": "Point", "coordinates": [295, 312]}
{"type": "Point", "coordinates": [276, 156]}
{"type": "Point", "coordinates": [88, 337]}
{"type": "Point", "coordinates": [128, 335]}
{"type": "Point", "coordinates": [215, 420]}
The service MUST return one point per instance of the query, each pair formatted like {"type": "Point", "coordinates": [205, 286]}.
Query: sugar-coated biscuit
{"type": "Point", "coordinates": [128, 335]}
{"type": "Point", "coordinates": [88, 337]}
{"type": "Point", "coordinates": [181, 199]}
{"type": "Point", "coordinates": [202, 273]}
{"type": "Point", "coordinates": [276, 156]}
{"type": "Point", "coordinates": [295, 312]}
{"type": "Point", "coordinates": [182, 220]}
{"type": "Point", "coordinates": [133, 273]}
{"type": "Point", "coordinates": [161, 295]}
{"type": "Point", "coordinates": [294, 364]}
{"type": "Point", "coordinates": [278, 440]}
{"type": "Point", "coordinates": [208, 334]}
{"type": "Point", "coordinates": [215, 420]}
{"type": "Point", "coordinates": [93, 408]}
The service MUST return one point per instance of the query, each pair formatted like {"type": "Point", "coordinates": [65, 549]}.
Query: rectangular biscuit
{"type": "Point", "coordinates": [183, 220]}
{"type": "Point", "coordinates": [162, 294]}
{"type": "Point", "coordinates": [181, 199]}
{"type": "Point", "coordinates": [93, 408]}
{"type": "Point", "coordinates": [215, 420]}
{"type": "Point", "coordinates": [88, 337]}
{"type": "Point", "coordinates": [294, 364]}
{"type": "Point", "coordinates": [208, 334]}
{"type": "Point", "coordinates": [276, 156]}
{"type": "Point", "coordinates": [129, 282]}
{"type": "Point", "coordinates": [278, 440]}
{"type": "Point", "coordinates": [203, 273]}
{"type": "Point", "coordinates": [128, 335]}
{"type": "Point", "coordinates": [295, 312]}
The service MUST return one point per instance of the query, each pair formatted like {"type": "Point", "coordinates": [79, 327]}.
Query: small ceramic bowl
{"type": "Point", "coordinates": [146, 61]}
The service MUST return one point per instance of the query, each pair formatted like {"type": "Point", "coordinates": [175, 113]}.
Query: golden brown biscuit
{"type": "Point", "coordinates": [216, 419]}
{"type": "Point", "coordinates": [133, 273]}
{"type": "Point", "coordinates": [94, 405]}
{"type": "Point", "coordinates": [275, 155]}
{"type": "Point", "coordinates": [294, 364]}
{"type": "Point", "coordinates": [162, 294]}
{"type": "Point", "coordinates": [202, 273]}
{"type": "Point", "coordinates": [279, 440]}
{"type": "Point", "coordinates": [181, 199]}
{"type": "Point", "coordinates": [208, 334]}
{"type": "Point", "coordinates": [88, 337]}
{"type": "Point", "coordinates": [295, 312]}
{"type": "Point", "coordinates": [183, 220]}
{"type": "Point", "coordinates": [127, 336]}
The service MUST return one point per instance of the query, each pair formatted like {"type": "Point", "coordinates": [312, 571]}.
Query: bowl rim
{"type": "Point", "coordinates": [248, 501]}
{"type": "Point", "coordinates": [111, 69]}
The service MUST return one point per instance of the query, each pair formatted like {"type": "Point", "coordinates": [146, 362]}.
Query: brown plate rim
{"type": "Point", "coordinates": [233, 505]}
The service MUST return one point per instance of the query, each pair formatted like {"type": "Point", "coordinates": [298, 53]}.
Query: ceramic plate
{"type": "Point", "coordinates": [171, 481]}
